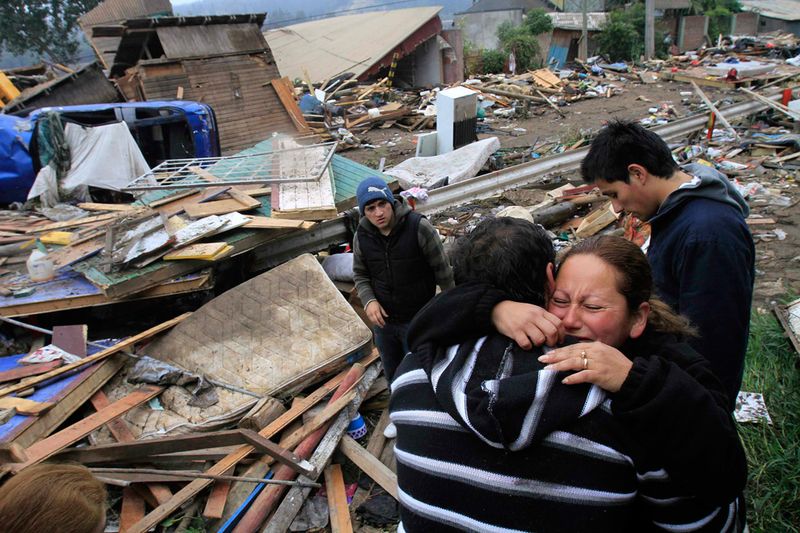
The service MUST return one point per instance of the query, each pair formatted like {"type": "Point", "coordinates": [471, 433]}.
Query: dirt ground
{"type": "Point", "coordinates": [777, 245]}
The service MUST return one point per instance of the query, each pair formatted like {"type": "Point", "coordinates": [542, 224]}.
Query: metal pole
{"type": "Point", "coordinates": [649, 29]}
{"type": "Point", "coordinates": [583, 49]}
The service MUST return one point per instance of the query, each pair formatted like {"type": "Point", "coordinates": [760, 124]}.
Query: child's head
{"type": "Point", "coordinates": [53, 497]}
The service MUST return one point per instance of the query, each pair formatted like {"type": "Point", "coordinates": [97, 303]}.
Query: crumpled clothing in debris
{"type": "Point", "coordinates": [155, 372]}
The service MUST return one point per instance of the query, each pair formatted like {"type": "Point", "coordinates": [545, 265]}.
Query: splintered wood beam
{"type": "Point", "coordinates": [27, 371]}
{"type": "Point", "coordinates": [128, 450]}
{"type": "Point", "coordinates": [192, 489]}
{"type": "Point", "coordinates": [370, 465]}
{"type": "Point", "coordinates": [130, 341]}
{"type": "Point", "coordinates": [215, 505]}
{"type": "Point", "coordinates": [48, 447]}
{"type": "Point", "coordinates": [132, 509]}
{"type": "Point", "coordinates": [288, 509]}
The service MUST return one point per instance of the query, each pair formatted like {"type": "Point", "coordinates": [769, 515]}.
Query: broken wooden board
{"type": "Point", "coordinates": [24, 406]}
{"type": "Point", "coordinates": [70, 290]}
{"type": "Point", "coordinates": [312, 200]}
{"type": "Point", "coordinates": [24, 371]}
{"type": "Point", "coordinates": [337, 500]}
{"type": "Point", "coordinates": [275, 223]}
{"type": "Point", "coordinates": [207, 251]}
{"type": "Point", "coordinates": [242, 202]}
{"type": "Point", "coordinates": [596, 220]}
{"type": "Point", "coordinates": [67, 394]}
{"type": "Point", "coordinates": [285, 90]}
{"type": "Point", "coordinates": [45, 448]}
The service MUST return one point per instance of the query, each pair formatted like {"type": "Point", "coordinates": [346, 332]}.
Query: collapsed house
{"type": "Point", "coordinates": [222, 61]}
{"type": "Point", "coordinates": [366, 46]}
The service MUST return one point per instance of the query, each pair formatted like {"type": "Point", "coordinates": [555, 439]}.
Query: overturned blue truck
{"type": "Point", "coordinates": [162, 130]}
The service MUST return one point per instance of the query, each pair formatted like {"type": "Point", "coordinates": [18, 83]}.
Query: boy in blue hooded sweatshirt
{"type": "Point", "coordinates": [700, 248]}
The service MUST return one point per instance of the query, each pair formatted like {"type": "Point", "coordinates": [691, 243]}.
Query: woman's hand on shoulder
{"type": "Point", "coordinates": [592, 362]}
{"type": "Point", "coordinates": [527, 324]}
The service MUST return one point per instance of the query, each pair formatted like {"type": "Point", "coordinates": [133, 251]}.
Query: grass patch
{"type": "Point", "coordinates": [773, 452]}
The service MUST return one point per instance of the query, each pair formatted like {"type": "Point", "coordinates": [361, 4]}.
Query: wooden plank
{"type": "Point", "coordinates": [72, 223]}
{"type": "Point", "coordinates": [206, 251]}
{"type": "Point", "coordinates": [96, 357]}
{"type": "Point", "coordinates": [219, 207]}
{"type": "Point", "coordinates": [23, 406]}
{"type": "Point", "coordinates": [285, 91]}
{"type": "Point", "coordinates": [215, 505]}
{"type": "Point", "coordinates": [337, 500]}
{"type": "Point", "coordinates": [193, 488]}
{"type": "Point", "coordinates": [25, 371]}
{"type": "Point", "coordinates": [132, 509]}
{"type": "Point", "coordinates": [124, 451]}
{"type": "Point", "coordinates": [78, 392]}
{"type": "Point", "coordinates": [370, 465]}
{"type": "Point", "coordinates": [48, 447]}
{"type": "Point", "coordinates": [284, 515]}
{"type": "Point", "coordinates": [257, 222]}
{"type": "Point", "coordinates": [91, 206]}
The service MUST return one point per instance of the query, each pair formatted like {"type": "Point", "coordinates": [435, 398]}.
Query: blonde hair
{"type": "Point", "coordinates": [52, 497]}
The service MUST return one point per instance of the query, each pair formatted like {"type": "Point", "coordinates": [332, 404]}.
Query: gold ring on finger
{"type": "Point", "coordinates": [585, 363]}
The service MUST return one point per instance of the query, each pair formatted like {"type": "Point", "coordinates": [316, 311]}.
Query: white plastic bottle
{"type": "Point", "coordinates": [40, 267]}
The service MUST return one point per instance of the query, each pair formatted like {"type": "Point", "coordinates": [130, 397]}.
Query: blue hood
{"type": "Point", "coordinates": [707, 183]}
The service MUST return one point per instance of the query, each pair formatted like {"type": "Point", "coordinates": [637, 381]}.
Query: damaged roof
{"type": "Point", "coordinates": [350, 43]}
{"type": "Point", "coordinates": [776, 9]}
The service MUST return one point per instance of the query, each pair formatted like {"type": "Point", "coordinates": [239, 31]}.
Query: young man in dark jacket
{"type": "Point", "coordinates": [398, 260]}
{"type": "Point", "coordinates": [700, 247]}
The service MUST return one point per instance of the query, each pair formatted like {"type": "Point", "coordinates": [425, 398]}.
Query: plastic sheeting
{"type": "Point", "coordinates": [106, 157]}
{"type": "Point", "coordinates": [445, 169]}
{"type": "Point", "coordinates": [16, 168]}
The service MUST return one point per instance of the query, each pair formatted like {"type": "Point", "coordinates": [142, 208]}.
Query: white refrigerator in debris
{"type": "Point", "coordinates": [456, 118]}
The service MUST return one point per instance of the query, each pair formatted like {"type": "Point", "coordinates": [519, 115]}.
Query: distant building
{"type": "Point", "coordinates": [220, 60]}
{"type": "Point", "coordinates": [365, 45]}
{"type": "Point", "coordinates": [783, 15]}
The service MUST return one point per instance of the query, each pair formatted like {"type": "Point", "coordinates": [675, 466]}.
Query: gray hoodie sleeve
{"type": "Point", "coordinates": [361, 275]}
{"type": "Point", "coordinates": [432, 249]}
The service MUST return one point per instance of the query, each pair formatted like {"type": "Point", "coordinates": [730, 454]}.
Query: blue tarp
{"type": "Point", "coordinates": [16, 168]}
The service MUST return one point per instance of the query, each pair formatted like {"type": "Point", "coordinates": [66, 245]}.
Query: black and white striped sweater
{"type": "Point", "coordinates": [489, 441]}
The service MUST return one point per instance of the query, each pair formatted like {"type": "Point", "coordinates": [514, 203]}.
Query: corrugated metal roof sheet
{"type": "Point", "coordinates": [777, 9]}
{"type": "Point", "coordinates": [351, 43]}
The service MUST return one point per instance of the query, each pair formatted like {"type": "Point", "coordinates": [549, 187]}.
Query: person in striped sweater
{"type": "Point", "coordinates": [491, 437]}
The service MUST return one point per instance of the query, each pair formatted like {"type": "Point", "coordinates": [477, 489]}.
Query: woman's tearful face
{"type": "Point", "coordinates": [589, 304]}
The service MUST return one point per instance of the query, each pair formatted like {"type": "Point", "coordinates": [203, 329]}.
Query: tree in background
{"type": "Point", "coordinates": [622, 36]}
{"type": "Point", "coordinates": [522, 41]}
{"type": "Point", "coordinates": [47, 28]}
{"type": "Point", "coordinates": [719, 13]}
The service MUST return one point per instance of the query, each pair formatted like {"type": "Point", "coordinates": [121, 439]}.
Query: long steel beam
{"type": "Point", "coordinates": [496, 182]}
